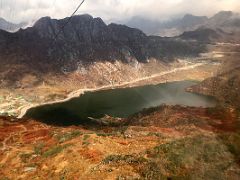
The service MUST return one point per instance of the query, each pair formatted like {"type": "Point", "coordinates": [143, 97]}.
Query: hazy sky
{"type": "Point", "coordinates": [112, 10]}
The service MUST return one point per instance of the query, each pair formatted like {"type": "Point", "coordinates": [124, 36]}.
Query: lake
{"type": "Point", "coordinates": [119, 103]}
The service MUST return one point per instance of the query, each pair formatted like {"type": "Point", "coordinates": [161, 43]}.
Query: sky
{"type": "Point", "coordinates": [112, 10]}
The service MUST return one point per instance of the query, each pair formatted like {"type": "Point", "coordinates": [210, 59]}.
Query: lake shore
{"type": "Point", "coordinates": [133, 83]}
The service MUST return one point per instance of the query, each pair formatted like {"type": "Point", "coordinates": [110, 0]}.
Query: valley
{"type": "Point", "coordinates": [19, 100]}
{"type": "Point", "coordinates": [82, 99]}
{"type": "Point", "coordinates": [184, 138]}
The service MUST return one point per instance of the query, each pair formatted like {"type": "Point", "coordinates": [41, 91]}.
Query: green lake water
{"type": "Point", "coordinates": [119, 103]}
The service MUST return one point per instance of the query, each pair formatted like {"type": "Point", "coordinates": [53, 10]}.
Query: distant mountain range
{"type": "Point", "coordinates": [11, 27]}
{"type": "Point", "coordinates": [225, 20]}
{"type": "Point", "coordinates": [86, 40]}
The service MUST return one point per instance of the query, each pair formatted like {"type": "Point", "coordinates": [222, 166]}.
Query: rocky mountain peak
{"type": "Point", "coordinates": [192, 17]}
{"type": "Point", "coordinates": [42, 21]}
{"type": "Point", "coordinates": [72, 29]}
{"type": "Point", "coordinates": [83, 16]}
{"type": "Point", "coordinates": [221, 17]}
{"type": "Point", "coordinates": [190, 20]}
{"type": "Point", "coordinates": [223, 14]}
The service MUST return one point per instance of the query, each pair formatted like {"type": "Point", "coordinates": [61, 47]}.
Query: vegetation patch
{"type": "Point", "coordinates": [55, 150]}
{"type": "Point", "coordinates": [85, 137]}
{"type": "Point", "coordinates": [232, 141]}
{"type": "Point", "coordinates": [156, 134]}
{"type": "Point", "coordinates": [38, 149]}
{"type": "Point", "coordinates": [192, 157]}
{"type": "Point", "coordinates": [4, 178]}
{"type": "Point", "coordinates": [129, 159]}
{"type": "Point", "coordinates": [25, 157]}
{"type": "Point", "coordinates": [146, 168]}
{"type": "Point", "coordinates": [68, 136]}
{"type": "Point", "coordinates": [105, 134]}
{"type": "Point", "coordinates": [197, 157]}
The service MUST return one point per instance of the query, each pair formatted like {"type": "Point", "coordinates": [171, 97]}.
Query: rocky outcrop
{"type": "Point", "coordinates": [225, 87]}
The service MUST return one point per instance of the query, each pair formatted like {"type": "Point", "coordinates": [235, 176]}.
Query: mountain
{"type": "Point", "coordinates": [222, 27]}
{"type": "Point", "coordinates": [208, 35]}
{"type": "Point", "coordinates": [205, 35]}
{"type": "Point", "coordinates": [146, 25]}
{"type": "Point", "coordinates": [84, 40]}
{"type": "Point", "coordinates": [220, 18]}
{"type": "Point", "coordinates": [168, 28]}
{"type": "Point", "coordinates": [226, 20]}
{"type": "Point", "coordinates": [187, 23]}
{"type": "Point", "coordinates": [190, 20]}
{"type": "Point", "coordinates": [11, 27]}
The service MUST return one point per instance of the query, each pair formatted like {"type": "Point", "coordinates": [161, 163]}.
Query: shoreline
{"type": "Point", "coordinates": [80, 92]}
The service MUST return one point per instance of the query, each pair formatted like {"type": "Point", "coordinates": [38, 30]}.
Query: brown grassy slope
{"type": "Point", "coordinates": [159, 143]}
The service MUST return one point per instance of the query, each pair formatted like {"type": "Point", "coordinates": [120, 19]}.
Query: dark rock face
{"type": "Point", "coordinates": [91, 39]}
{"type": "Point", "coordinates": [48, 47]}
{"type": "Point", "coordinates": [203, 35]}
{"type": "Point", "coordinates": [208, 35]}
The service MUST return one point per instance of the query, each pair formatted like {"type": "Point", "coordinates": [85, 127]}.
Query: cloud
{"type": "Point", "coordinates": [112, 10]}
